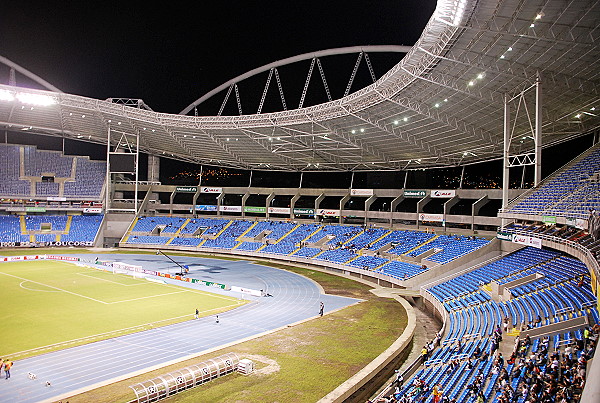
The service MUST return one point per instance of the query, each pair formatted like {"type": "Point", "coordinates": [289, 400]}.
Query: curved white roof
{"type": "Point", "coordinates": [441, 105]}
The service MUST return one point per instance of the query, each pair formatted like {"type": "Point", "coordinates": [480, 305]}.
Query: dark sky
{"type": "Point", "coordinates": [169, 53]}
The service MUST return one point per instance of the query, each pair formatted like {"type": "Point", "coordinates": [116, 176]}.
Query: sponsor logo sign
{"type": "Point", "coordinates": [527, 240]}
{"type": "Point", "coordinates": [414, 193]}
{"type": "Point", "coordinates": [231, 209]}
{"type": "Point", "coordinates": [304, 211]}
{"type": "Point", "coordinates": [328, 212]}
{"type": "Point", "coordinates": [361, 192]}
{"type": "Point", "coordinates": [206, 189]}
{"type": "Point", "coordinates": [205, 207]}
{"type": "Point", "coordinates": [186, 189]}
{"type": "Point", "coordinates": [253, 209]}
{"type": "Point", "coordinates": [431, 217]}
{"type": "Point", "coordinates": [443, 193]}
{"type": "Point", "coordinates": [92, 210]}
{"type": "Point", "coordinates": [504, 236]}
{"type": "Point", "coordinates": [279, 210]}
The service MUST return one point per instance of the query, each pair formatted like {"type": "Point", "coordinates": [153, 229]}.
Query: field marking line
{"type": "Point", "coordinates": [31, 289]}
{"type": "Point", "coordinates": [110, 281]}
{"type": "Point", "coordinates": [198, 291]}
{"type": "Point", "coordinates": [146, 297]}
{"type": "Point", "coordinates": [56, 288]}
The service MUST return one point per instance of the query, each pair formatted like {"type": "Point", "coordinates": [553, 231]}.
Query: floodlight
{"type": "Point", "coordinates": [35, 99]}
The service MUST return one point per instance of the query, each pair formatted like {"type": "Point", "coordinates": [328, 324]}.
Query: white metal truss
{"type": "Point", "coordinates": [440, 105]}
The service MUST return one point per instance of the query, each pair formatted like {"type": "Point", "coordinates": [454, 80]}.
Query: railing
{"type": "Point", "coordinates": [591, 259]}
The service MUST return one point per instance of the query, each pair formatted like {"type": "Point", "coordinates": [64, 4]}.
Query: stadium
{"type": "Point", "coordinates": [430, 234]}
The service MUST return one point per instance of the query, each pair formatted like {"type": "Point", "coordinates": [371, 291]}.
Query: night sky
{"type": "Point", "coordinates": [170, 54]}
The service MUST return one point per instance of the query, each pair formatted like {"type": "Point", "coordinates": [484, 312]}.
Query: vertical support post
{"type": "Point", "coordinates": [137, 170]}
{"type": "Point", "coordinates": [538, 131]}
{"type": "Point", "coordinates": [107, 195]}
{"type": "Point", "coordinates": [505, 165]}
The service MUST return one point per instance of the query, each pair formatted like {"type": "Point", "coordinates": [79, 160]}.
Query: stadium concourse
{"type": "Point", "coordinates": [293, 299]}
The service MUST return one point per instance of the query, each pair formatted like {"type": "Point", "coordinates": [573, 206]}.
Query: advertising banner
{"type": "Point", "coordinates": [443, 193]}
{"type": "Point", "coordinates": [231, 209]}
{"type": "Point", "coordinates": [328, 212]}
{"type": "Point", "coordinates": [206, 189]}
{"type": "Point", "coordinates": [504, 236]}
{"type": "Point", "coordinates": [253, 209]}
{"type": "Point", "coordinates": [279, 210]}
{"type": "Point", "coordinates": [431, 217]}
{"type": "Point", "coordinates": [415, 193]}
{"type": "Point", "coordinates": [206, 207]}
{"type": "Point", "coordinates": [304, 211]}
{"type": "Point", "coordinates": [186, 189]}
{"type": "Point", "coordinates": [527, 240]}
{"type": "Point", "coordinates": [361, 192]}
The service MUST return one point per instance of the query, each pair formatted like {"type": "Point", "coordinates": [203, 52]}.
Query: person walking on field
{"type": "Point", "coordinates": [197, 313]}
{"type": "Point", "coordinates": [7, 366]}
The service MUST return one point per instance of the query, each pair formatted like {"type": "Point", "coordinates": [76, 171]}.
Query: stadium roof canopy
{"type": "Point", "coordinates": [441, 105]}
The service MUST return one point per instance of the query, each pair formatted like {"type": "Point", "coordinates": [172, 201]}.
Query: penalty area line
{"type": "Point", "coordinates": [55, 288]}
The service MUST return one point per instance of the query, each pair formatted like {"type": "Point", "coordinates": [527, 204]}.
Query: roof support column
{"type": "Point", "coordinates": [505, 163]}
{"type": "Point", "coordinates": [538, 131]}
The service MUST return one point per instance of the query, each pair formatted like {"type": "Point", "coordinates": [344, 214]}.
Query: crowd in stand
{"type": "Point", "coordinates": [534, 373]}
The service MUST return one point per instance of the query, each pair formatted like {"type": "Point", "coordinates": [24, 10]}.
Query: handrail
{"type": "Point", "coordinates": [592, 261]}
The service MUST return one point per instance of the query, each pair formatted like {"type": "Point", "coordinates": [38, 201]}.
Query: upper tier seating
{"type": "Point", "coordinates": [22, 169]}
{"type": "Point", "coordinates": [570, 193]}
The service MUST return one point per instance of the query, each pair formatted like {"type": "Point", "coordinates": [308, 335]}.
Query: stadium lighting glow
{"type": "Point", "coordinates": [362, 130]}
{"type": "Point", "coordinates": [532, 25]}
{"type": "Point", "coordinates": [35, 99]}
{"type": "Point", "coordinates": [539, 15]}
{"type": "Point", "coordinates": [6, 96]}
{"type": "Point", "coordinates": [405, 119]}
{"type": "Point", "coordinates": [458, 14]}
{"type": "Point", "coordinates": [395, 122]}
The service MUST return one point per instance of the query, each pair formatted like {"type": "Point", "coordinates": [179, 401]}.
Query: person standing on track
{"type": "Point", "coordinates": [7, 366]}
{"type": "Point", "coordinates": [321, 308]}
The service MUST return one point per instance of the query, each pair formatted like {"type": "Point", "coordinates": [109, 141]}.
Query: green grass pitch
{"type": "Point", "coordinates": [48, 305]}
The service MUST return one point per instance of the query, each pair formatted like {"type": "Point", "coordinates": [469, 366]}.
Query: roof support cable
{"type": "Point", "coordinates": [264, 94]}
{"type": "Point", "coordinates": [280, 89]}
{"type": "Point", "coordinates": [360, 55]}
{"type": "Point", "coordinates": [225, 100]}
{"type": "Point", "coordinates": [324, 80]}
{"type": "Point", "coordinates": [237, 98]}
{"type": "Point", "coordinates": [312, 66]}
{"type": "Point", "coordinates": [370, 67]}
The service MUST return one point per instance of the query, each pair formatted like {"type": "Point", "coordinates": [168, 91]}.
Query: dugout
{"type": "Point", "coordinates": [169, 384]}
